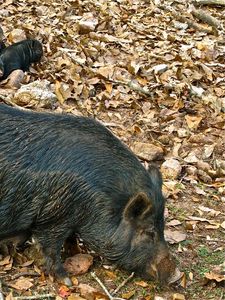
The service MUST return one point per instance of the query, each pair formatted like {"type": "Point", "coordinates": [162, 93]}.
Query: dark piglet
{"type": "Point", "coordinates": [19, 56]}
{"type": "Point", "coordinates": [62, 175]}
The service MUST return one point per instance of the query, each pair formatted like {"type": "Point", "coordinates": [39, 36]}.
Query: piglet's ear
{"type": "Point", "coordinates": [137, 207]}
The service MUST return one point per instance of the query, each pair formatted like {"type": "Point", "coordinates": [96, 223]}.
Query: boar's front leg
{"type": "Point", "coordinates": [51, 241]}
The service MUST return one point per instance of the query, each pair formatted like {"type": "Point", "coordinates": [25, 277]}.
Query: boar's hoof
{"type": "Point", "coordinates": [67, 281]}
{"type": "Point", "coordinates": [176, 276]}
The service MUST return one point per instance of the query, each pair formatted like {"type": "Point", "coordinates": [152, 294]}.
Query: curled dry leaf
{"type": "Point", "coordinates": [64, 291]}
{"type": "Point", "coordinates": [215, 276]}
{"type": "Point", "coordinates": [141, 283]}
{"type": "Point", "coordinates": [193, 121]}
{"type": "Point", "coordinates": [178, 296]}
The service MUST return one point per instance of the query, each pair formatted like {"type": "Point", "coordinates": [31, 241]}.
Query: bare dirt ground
{"type": "Point", "coordinates": [153, 72]}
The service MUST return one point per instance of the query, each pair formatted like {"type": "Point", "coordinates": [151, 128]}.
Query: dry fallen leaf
{"type": "Point", "coordinates": [193, 121]}
{"type": "Point", "coordinates": [223, 224]}
{"type": "Point", "coordinates": [75, 297]}
{"type": "Point", "coordinates": [22, 284]}
{"type": "Point", "coordinates": [128, 295]}
{"type": "Point", "coordinates": [178, 297]}
{"type": "Point", "coordinates": [141, 283]}
{"type": "Point", "coordinates": [174, 236]}
{"type": "Point", "coordinates": [215, 276]}
{"type": "Point", "coordinates": [86, 290]}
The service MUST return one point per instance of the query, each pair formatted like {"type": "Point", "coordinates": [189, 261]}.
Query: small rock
{"type": "Point", "coordinates": [204, 176]}
{"type": "Point", "coordinates": [78, 264]}
{"type": "Point", "coordinates": [35, 94]}
{"type": "Point", "coordinates": [191, 170]}
{"type": "Point", "coordinates": [197, 91]}
{"type": "Point", "coordinates": [182, 132]}
{"type": "Point", "coordinates": [158, 69]}
{"type": "Point", "coordinates": [87, 24]}
{"type": "Point", "coordinates": [147, 152]}
{"type": "Point", "coordinates": [171, 168]}
{"type": "Point", "coordinates": [203, 166]}
{"type": "Point", "coordinates": [191, 158]}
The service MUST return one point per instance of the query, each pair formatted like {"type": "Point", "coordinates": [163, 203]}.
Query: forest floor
{"type": "Point", "coordinates": [154, 73]}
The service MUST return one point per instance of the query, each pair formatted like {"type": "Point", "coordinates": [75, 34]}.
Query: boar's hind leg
{"type": "Point", "coordinates": [51, 244]}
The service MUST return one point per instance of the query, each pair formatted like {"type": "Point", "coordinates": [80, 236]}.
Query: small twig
{"type": "Point", "coordinates": [34, 297]}
{"type": "Point", "coordinates": [66, 50]}
{"type": "Point", "coordinates": [205, 17]}
{"type": "Point", "coordinates": [123, 284]}
{"type": "Point", "coordinates": [104, 288]}
{"type": "Point", "coordinates": [24, 274]}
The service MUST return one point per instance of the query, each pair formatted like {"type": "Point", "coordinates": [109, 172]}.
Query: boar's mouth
{"type": "Point", "coordinates": [164, 270]}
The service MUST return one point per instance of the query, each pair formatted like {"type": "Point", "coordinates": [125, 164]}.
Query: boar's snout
{"type": "Point", "coordinates": [163, 268]}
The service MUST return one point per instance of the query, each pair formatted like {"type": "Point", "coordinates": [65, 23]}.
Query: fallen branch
{"type": "Point", "coordinates": [205, 17]}
{"type": "Point", "coordinates": [123, 284]}
{"type": "Point", "coordinates": [133, 86]}
{"type": "Point", "coordinates": [24, 274]}
{"type": "Point", "coordinates": [209, 2]}
{"type": "Point", "coordinates": [104, 288]}
{"type": "Point", "coordinates": [34, 297]}
{"type": "Point", "coordinates": [191, 24]}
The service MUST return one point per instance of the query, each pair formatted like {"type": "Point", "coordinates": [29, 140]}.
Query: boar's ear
{"type": "Point", "coordinates": [137, 207]}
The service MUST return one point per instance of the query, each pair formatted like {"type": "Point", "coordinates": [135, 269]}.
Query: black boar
{"type": "Point", "coordinates": [63, 175]}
